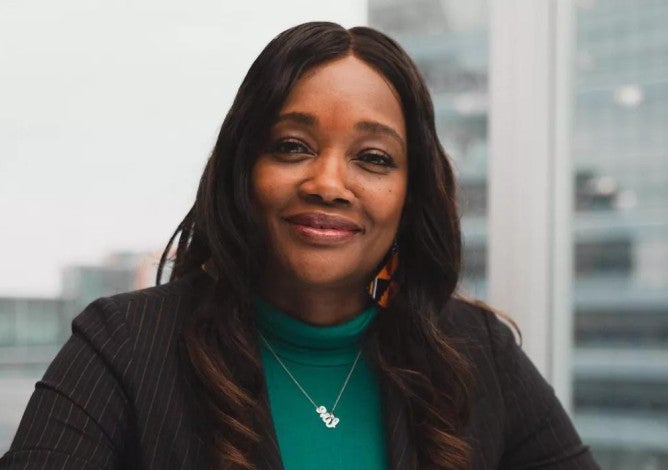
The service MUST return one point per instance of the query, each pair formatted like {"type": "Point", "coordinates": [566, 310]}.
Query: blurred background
{"type": "Point", "coordinates": [109, 111]}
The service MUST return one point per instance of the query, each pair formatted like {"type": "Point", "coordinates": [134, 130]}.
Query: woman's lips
{"type": "Point", "coordinates": [323, 228]}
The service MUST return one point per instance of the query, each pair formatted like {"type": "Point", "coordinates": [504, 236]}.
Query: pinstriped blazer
{"type": "Point", "coordinates": [119, 396]}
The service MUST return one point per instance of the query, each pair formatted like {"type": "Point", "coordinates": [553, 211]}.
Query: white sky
{"type": "Point", "coordinates": [108, 111]}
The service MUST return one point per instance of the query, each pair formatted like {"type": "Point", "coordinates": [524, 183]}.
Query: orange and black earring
{"type": "Point", "coordinates": [385, 285]}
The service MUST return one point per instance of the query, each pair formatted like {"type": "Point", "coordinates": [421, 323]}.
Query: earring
{"type": "Point", "coordinates": [385, 285]}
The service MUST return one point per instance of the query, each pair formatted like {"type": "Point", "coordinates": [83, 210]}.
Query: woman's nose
{"type": "Point", "coordinates": [327, 180]}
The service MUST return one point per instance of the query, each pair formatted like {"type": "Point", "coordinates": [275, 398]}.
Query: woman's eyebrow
{"type": "Point", "coordinates": [375, 127]}
{"type": "Point", "coordinates": [299, 118]}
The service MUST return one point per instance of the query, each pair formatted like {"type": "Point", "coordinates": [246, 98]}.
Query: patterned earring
{"type": "Point", "coordinates": [385, 285]}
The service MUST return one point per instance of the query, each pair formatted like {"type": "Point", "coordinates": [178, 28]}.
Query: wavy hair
{"type": "Point", "coordinates": [412, 355]}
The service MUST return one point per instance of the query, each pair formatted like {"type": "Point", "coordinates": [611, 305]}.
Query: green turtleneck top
{"type": "Point", "coordinates": [320, 359]}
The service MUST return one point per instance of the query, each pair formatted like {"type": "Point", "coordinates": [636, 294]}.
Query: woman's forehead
{"type": "Point", "coordinates": [347, 85]}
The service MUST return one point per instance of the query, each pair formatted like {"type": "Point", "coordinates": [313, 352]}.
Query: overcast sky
{"type": "Point", "coordinates": [108, 111]}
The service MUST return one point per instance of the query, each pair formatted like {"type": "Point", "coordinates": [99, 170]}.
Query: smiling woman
{"type": "Point", "coordinates": [311, 319]}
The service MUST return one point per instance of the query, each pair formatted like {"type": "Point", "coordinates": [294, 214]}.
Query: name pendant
{"type": "Point", "coordinates": [328, 418]}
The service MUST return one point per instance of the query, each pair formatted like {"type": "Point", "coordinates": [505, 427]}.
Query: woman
{"type": "Point", "coordinates": [310, 321]}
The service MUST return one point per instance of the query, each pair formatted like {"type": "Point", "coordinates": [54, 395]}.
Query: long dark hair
{"type": "Point", "coordinates": [431, 378]}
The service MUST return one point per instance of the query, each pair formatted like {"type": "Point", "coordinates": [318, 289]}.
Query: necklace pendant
{"type": "Point", "coordinates": [328, 418]}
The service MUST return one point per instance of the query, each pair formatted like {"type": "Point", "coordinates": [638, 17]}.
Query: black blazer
{"type": "Point", "coordinates": [119, 395]}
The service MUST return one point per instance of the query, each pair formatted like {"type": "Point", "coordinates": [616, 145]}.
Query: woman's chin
{"type": "Point", "coordinates": [315, 280]}
{"type": "Point", "coordinates": [320, 276]}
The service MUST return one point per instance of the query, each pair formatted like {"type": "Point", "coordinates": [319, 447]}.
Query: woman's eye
{"type": "Point", "coordinates": [377, 159]}
{"type": "Point", "coordinates": [289, 147]}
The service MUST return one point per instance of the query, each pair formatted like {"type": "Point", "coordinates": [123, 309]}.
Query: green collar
{"type": "Point", "coordinates": [298, 341]}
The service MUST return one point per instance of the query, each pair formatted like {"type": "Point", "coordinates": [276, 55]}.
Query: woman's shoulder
{"type": "Point", "coordinates": [488, 339]}
{"type": "Point", "coordinates": [478, 323]}
{"type": "Point", "coordinates": [516, 413]}
{"type": "Point", "coordinates": [132, 326]}
{"type": "Point", "coordinates": [116, 387]}
{"type": "Point", "coordinates": [134, 334]}
{"type": "Point", "coordinates": [168, 299]}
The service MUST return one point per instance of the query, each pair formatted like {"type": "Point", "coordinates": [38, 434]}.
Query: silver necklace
{"type": "Point", "coordinates": [327, 417]}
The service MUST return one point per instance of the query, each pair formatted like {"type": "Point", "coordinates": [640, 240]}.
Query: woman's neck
{"type": "Point", "coordinates": [317, 306]}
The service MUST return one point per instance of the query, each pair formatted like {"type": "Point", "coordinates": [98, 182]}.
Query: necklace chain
{"type": "Point", "coordinates": [328, 417]}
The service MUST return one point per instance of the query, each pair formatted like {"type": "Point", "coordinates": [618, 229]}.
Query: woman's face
{"type": "Point", "coordinates": [331, 183]}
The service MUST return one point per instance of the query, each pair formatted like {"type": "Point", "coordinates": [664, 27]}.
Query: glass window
{"type": "Point", "coordinates": [620, 279]}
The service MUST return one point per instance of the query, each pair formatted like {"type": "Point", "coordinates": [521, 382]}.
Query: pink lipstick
{"type": "Point", "coordinates": [324, 229]}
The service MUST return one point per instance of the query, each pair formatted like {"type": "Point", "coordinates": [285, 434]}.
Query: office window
{"type": "Point", "coordinates": [620, 278]}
